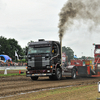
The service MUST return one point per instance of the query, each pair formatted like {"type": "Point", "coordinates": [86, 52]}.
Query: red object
{"type": "Point", "coordinates": [77, 62]}
{"type": "Point", "coordinates": [95, 76]}
{"type": "Point", "coordinates": [87, 62]}
{"type": "Point", "coordinates": [88, 70]}
{"type": "Point", "coordinates": [63, 57]}
{"type": "Point", "coordinates": [19, 71]}
{"type": "Point", "coordinates": [76, 72]}
{"type": "Point", "coordinates": [97, 55]}
{"type": "Point", "coordinates": [98, 73]}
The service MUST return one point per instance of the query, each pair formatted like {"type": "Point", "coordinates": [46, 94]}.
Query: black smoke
{"type": "Point", "coordinates": [85, 10]}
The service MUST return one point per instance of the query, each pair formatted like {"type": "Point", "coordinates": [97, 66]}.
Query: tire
{"type": "Point", "coordinates": [73, 74]}
{"type": "Point", "coordinates": [58, 73]}
{"type": "Point", "coordinates": [34, 77]}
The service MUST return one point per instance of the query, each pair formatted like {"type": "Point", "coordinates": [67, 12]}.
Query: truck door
{"type": "Point", "coordinates": [55, 53]}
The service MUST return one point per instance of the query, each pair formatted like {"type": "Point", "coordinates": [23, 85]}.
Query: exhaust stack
{"type": "Point", "coordinates": [61, 46]}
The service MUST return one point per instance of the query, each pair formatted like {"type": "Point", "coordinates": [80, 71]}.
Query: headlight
{"type": "Point", "coordinates": [28, 67]}
{"type": "Point", "coordinates": [49, 66]}
{"type": "Point", "coordinates": [28, 72]}
{"type": "Point", "coordinates": [48, 71]}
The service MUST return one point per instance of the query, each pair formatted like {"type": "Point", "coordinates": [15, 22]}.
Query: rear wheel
{"type": "Point", "coordinates": [58, 75]}
{"type": "Point", "coordinates": [73, 74]}
{"type": "Point", "coordinates": [34, 78]}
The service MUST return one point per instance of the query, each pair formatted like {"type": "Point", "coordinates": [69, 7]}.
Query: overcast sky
{"type": "Point", "coordinates": [26, 20]}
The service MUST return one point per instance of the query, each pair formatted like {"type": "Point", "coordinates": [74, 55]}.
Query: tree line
{"type": "Point", "coordinates": [9, 46]}
{"type": "Point", "coordinates": [69, 53]}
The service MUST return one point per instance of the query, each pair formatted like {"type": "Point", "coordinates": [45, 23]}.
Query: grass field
{"type": "Point", "coordinates": [12, 73]}
{"type": "Point", "coordinates": [89, 92]}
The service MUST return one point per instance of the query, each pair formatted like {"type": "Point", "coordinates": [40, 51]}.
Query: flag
{"type": "Point", "coordinates": [16, 55]}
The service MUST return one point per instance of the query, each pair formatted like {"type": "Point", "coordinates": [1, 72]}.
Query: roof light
{"type": "Point", "coordinates": [41, 40]}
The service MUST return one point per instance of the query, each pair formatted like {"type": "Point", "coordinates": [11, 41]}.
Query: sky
{"type": "Point", "coordinates": [26, 20]}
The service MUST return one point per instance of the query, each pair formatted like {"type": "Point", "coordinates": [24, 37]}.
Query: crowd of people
{"type": "Point", "coordinates": [10, 63]}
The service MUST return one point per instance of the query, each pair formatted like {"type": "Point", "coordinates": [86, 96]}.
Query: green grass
{"type": "Point", "coordinates": [12, 74]}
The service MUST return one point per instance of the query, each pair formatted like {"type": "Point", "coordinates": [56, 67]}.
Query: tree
{"type": "Point", "coordinates": [69, 52]}
{"type": "Point", "coordinates": [29, 42]}
{"type": "Point", "coordinates": [84, 57]}
{"type": "Point", "coordinates": [14, 46]}
{"type": "Point", "coordinates": [3, 45]}
{"type": "Point", "coordinates": [9, 46]}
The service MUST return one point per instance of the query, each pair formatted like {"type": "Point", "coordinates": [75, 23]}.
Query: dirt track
{"type": "Point", "coordinates": [20, 84]}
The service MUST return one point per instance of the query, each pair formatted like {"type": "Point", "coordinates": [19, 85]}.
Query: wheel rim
{"type": "Point", "coordinates": [74, 74]}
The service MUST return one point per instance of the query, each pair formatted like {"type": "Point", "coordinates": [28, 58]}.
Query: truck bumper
{"type": "Point", "coordinates": [45, 74]}
{"type": "Point", "coordinates": [39, 73]}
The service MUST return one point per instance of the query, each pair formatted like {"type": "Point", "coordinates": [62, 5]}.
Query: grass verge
{"type": "Point", "coordinates": [12, 74]}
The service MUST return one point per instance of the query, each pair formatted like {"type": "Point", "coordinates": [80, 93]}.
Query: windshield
{"type": "Point", "coordinates": [35, 50]}
{"type": "Point", "coordinates": [97, 51]}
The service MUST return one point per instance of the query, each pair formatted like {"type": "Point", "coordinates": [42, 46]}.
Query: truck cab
{"type": "Point", "coordinates": [43, 59]}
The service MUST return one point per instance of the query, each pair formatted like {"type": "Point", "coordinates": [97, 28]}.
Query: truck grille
{"type": "Point", "coordinates": [38, 62]}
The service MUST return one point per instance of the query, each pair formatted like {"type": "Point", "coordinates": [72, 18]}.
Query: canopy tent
{"type": "Point", "coordinates": [6, 57]}
{"type": "Point", "coordinates": [75, 56]}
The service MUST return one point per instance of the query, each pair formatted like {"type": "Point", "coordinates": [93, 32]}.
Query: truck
{"type": "Point", "coordinates": [88, 67]}
{"type": "Point", "coordinates": [45, 58]}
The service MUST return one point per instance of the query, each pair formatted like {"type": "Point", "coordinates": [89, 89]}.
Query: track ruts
{"type": "Point", "coordinates": [14, 85]}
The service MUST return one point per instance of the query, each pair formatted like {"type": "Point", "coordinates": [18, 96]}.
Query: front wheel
{"type": "Point", "coordinates": [58, 75]}
{"type": "Point", "coordinates": [73, 74]}
{"type": "Point", "coordinates": [34, 77]}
